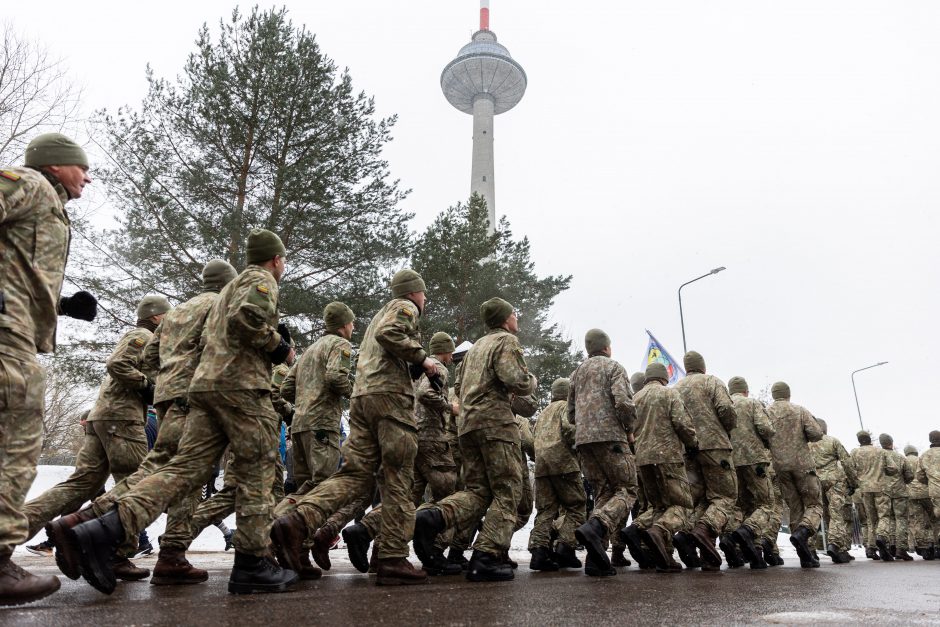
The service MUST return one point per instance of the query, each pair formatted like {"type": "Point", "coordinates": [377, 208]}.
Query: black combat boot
{"type": "Point", "coordinates": [542, 559]}
{"type": "Point", "coordinates": [744, 538]}
{"type": "Point", "coordinates": [565, 556]}
{"type": "Point", "coordinates": [685, 547]}
{"type": "Point", "coordinates": [488, 567]}
{"type": "Point", "coordinates": [97, 540]}
{"type": "Point", "coordinates": [632, 537]}
{"type": "Point", "coordinates": [838, 557]}
{"type": "Point", "coordinates": [357, 540]}
{"type": "Point", "coordinates": [252, 574]}
{"type": "Point", "coordinates": [439, 565]}
{"type": "Point", "coordinates": [617, 558]}
{"type": "Point", "coordinates": [772, 558]}
{"type": "Point", "coordinates": [428, 524]}
{"type": "Point", "coordinates": [593, 569]}
{"type": "Point", "coordinates": [930, 553]}
{"type": "Point", "coordinates": [871, 553]}
{"type": "Point", "coordinates": [883, 552]}
{"type": "Point", "coordinates": [455, 556]}
{"type": "Point", "coordinates": [592, 534]}
{"type": "Point", "coordinates": [730, 549]}
{"type": "Point", "coordinates": [18, 586]}
{"type": "Point", "coordinates": [902, 554]}
{"type": "Point", "coordinates": [800, 540]}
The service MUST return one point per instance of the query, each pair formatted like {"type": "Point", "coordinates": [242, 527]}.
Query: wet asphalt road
{"type": "Point", "coordinates": [864, 591]}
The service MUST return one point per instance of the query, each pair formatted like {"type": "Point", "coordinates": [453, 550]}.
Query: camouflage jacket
{"type": "Point", "coordinates": [916, 489]}
{"type": "Point", "coordinates": [390, 344]}
{"type": "Point", "coordinates": [526, 439]}
{"type": "Point", "coordinates": [239, 334]}
{"type": "Point", "coordinates": [554, 442]}
{"type": "Point", "coordinates": [873, 466]}
{"type": "Point", "coordinates": [119, 395]}
{"type": "Point", "coordinates": [494, 369]}
{"type": "Point", "coordinates": [752, 432]}
{"type": "Point", "coordinates": [896, 485]}
{"type": "Point", "coordinates": [282, 406]}
{"type": "Point", "coordinates": [433, 408]}
{"type": "Point", "coordinates": [929, 472]}
{"type": "Point", "coordinates": [663, 426]}
{"type": "Point", "coordinates": [712, 411]}
{"type": "Point", "coordinates": [795, 428]}
{"type": "Point", "coordinates": [172, 354]}
{"type": "Point", "coordinates": [600, 401]}
{"type": "Point", "coordinates": [34, 246]}
{"type": "Point", "coordinates": [317, 384]}
{"type": "Point", "coordinates": [833, 462]}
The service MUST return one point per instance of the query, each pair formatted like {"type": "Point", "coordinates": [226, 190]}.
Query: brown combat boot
{"type": "Point", "coordinates": [18, 586]}
{"type": "Point", "coordinates": [398, 571]}
{"type": "Point", "coordinates": [657, 539]}
{"type": "Point", "coordinates": [173, 569]}
{"type": "Point", "coordinates": [323, 539]}
{"type": "Point", "coordinates": [307, 570]}
{"type": "Point", "coordinates": [289, 533]}
{"type": "Point", "coordinates": [126, 570]}
{"type": "Point", "coordinates": [705, 541]}
{"type": "Point", "coordinates": [66, 551]}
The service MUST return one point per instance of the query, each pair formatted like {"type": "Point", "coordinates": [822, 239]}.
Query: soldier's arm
{"type": "Point", "coordinates": [907, 473]}
{"type": "Point", "coordinates": [568, 431]}
{"type": "Point", "coordinates": [524, 406]}
{"type": "Point", "coordinates": [848, 464]}
{"type": "Point", "coordinates": [526, 439]}
{"type": "Point", "coordinates": [123, 365]}
{"type": "Point", "coordinates": [289, 386]}
{"type": "Point", "coordinates": [249, 310]}
{"type": "Point", "coordinates": [338, 366]}
{"type": "Point", "coordinates": [921, 473]}
{"type": "Point", "coordinates": [763, 425]}
{"type": "Point", "coordinates": [810, 427]}
{"type": "Point", "coordinates": [682, 422]}
{"type": "Point", "coordinates": [510, 367]}
{"type": "Point", "coordinates": [433, 399]}
{"type": "Point", "coordinates": [623, 397]}
{"type": "Point", "coordinates": [397, 333]}
{"type": "Point", "coordinates": [571, 399]}
{"type": "Point", "coordinates": [15, 198]}
{"type": "Point", "coordinates": [890, 465]}
{"type": "Point", "coordinates": [723, 405]}
{"type": "Point", "coordinates": [150, 361]}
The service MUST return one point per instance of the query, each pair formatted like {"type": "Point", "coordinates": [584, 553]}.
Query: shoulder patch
{"type": "Point", "coordinates": [10, 176]}
{"type": "Point", "coordinates": [261, 287]}
{"type": "Point", "coordinates": [347, 353]}
{"type": "Point", "coordinates": [406, 312]}
{"type": "Point", "coordinates": [138, 342]}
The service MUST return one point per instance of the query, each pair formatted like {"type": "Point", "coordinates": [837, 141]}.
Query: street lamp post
{"type": "Point", "coordinates": [857, 407]}
{"type": "Point", "coordinates": [681, 318]}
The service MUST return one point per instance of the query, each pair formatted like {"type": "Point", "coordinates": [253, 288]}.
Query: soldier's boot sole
{"type": "Point", "coordinates": [260, 588]}
{"type": "Point", "coordinates": [385, 580]}
{"type": "Point", "coordinates": [498, 575]}
{"type": "Point", "coordinates": [96, 556]}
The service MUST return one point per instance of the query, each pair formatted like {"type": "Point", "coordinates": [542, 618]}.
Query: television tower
{"type": "Point", "coordinates": [483, 80]}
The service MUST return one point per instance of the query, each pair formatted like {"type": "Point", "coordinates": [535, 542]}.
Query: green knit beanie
{"type": "Point", "coordinates": [822, 425]}
{"type": "Point", "coordinates": [152, 305]}
{"type": "Point", "coordinates": [217, 274]}
{"type": "Point", "coordinates": [595, 341]}
{"type": "Point", "coordinates": [405, 282]}
{"type": "Point", "coordinates": [910, 449]}
{"type": "Point", "coordinates": [264, 245]}
{"type": "Point", "coordinates": [780, 391]}
{"type": "Point", "coordinates": [494, 312]}
{"type": "Point", "coordinates": [637, 381]}
{"type": "Point", "coordinates": [934, 438]}
{"type": "Point", "coordinates": [337, 315]}
{"type": "Point", "coordinates": [441, 344]}
{"type": "Point", "coordinates": [885, 440]}
{"type": "Point", "coordinates": [657, 370]}
{"type": "Point", "coordinates": [560, 387]}
{"type": "Point", "coordinates": [54, 149]}
{"type": "Point", "coordinates": [864, 437]}
{"type": "Point", "coordinates": [693, 362]}
{"type": "Point", "coordinates": [737, 385]}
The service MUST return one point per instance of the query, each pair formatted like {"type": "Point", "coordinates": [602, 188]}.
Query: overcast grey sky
{"type": "Point", "coordinates": [794, 142]}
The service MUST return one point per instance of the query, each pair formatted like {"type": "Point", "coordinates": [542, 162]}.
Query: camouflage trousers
{"type": "Point", "coordinates": [837, 513]}
{"type": "Point", "coordinates": [493, 479]}
{"type": "Point", "coordinates": [898, 523]}
{"type": "Point", "coordinates": [341, 517]}
{"type": "Point", "coordinates": [316, 457]}
{"type": "Point", "coordinates": [110, 447]}
{"type": "Point", "coordinates": [754, 508]}
{"type": "Point", "coordinates": [858, 505]}
{"type": "Point", "coordinates": [921, 523]}
{"type": "Point", "coordinates": [526, 497]}
{"type": "Point", "coordinates": [244, 421]}
{"type": "Point", "coordinates": [773, 525]}
{"type": "Point", "coordinates": [610, 469]}
{"type": "Point", "coordinates": [380, 434]}
{"type": "Point", "coordinates": [171, 422]}
{"type": "Point", "coordinates": [715, 496]}
{"type": "Point", "coordinates": [221, 505]}
{"type": "Point", "coordinates": [22, 386]}
{"type": "Point", "coordinates": [460, 538]}
{"type": "Point", "coordinates": [668, 498]}
{"type": "Point", "coordinates": [559, 504]}
{"type": "Point", "coordinates": [877, 513]}
{"type": "Point", "coordinates": [803, 497]}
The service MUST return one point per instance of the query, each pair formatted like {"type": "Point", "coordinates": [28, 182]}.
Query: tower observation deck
{"type": "Point", "coordinates": [484, 81]}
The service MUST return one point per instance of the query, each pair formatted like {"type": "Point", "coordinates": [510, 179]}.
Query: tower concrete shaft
{"type": "Point", "coordinates": [483, 169]}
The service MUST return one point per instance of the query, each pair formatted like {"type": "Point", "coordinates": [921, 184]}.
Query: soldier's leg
{"type": "Point", "coordinates": [900, 507]}
{"type": "Point", "coordinates": [871, 516]}
{"type": "Point", "coordinates": [837, 532]}
{"type": "Point", "coordinates": [399, 445]}
{"type": "Point", "coordinates": [125, 445]}
{"type": "Point", "coordinates": [463, 509]}
{"type": "Point", "coordinates": [216, 508]}
{"type": "Point", "coordinates": [547, 509]}
{"type": "Point", "coordinates": [22, 384]}
{"type": "Point", "coordinates": [341, 517]}
{"type": "Point", "coordinates": [917, 524]}
{"type": "Point", "coordinates": [883, 511]}
{"type": "Point", "coordinates": [615, 465]}
{"type": "Point", "coordinates": [721, 489]}
{"type": "Point", "coordinates": [569, 491]}
{"type": "Point", "coordinates": [502, 474]}
{"type": "Point", "coordinates": [810, 500]}
{"type": "Point", "coordinates": [372, 521]}
{"type": "Point", "coordinates": [322, 456]}
{"type": "Point", "coordinates": [675, 496]}
{"type": "Point", "coordinates": [526, 499]}
{"type": "Point", "coordinates": [303, 462]}
{"type": "Point", "coordinates": [90, 474]}
{"type": "Point", "coordinates": [760, 500]}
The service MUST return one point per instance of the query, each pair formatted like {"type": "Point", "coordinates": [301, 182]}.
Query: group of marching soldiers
{"type": "Point", "coordinates": [692, 468]}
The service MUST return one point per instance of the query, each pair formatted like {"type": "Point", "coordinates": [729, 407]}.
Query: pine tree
{"type": "Point", "coordinates": [463, 266]}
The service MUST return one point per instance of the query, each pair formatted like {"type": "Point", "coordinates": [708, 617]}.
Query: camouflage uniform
{"type": "Point", "coordinates": [526, 448]}
{"type": "Point", "coordinates": [793, 462]}
{"type": "Point", "coordinates": [317, 384]}
{"type": "Point", "coordinates": [750, 439]}
{"type": "Point", "coordinates": [115, 442]}
{"type": "Point", "coordinates": [706, 399]}
{"type": "Point", "coordinates": [559, 488]}
{"type": "Point", "coordinates": [920, 510]}
{"type": "Point", "coordinates": [489, 441]}
{"type": "Point", "coordinates": [230, 405]}
{"type": "Point", "coordinates": [873, 465]}
{"type": "Point", "coordinates": [896, 492]}
{"type": "Point", "coordinates": [600, 405]}
{"type": "Point", "coordinates": [837, 477]}
{"type": "Point", "coordinates": [664, 430]}
{"type": "Point", "coordinates": [382, 431]}
{"type": "Point", "coordinates": [929, 475]}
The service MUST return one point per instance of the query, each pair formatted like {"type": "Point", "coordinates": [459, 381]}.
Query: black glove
{"type": "Point", "coordinates": [279, 354]}
{"type": "Point", "coordinates": [851, 491]}
{"type": "Point", "coordinates": [416, 370]}
{"type": "Point", "coordinates": [691, 451]}
{"type": "Point", "coordinates": [289, 418]}
{"type": "Point", "coordinates": [80, 305]}
{"type": "Point", "coordinates": [436, 382]}
{"type": "Point", "coordinates": [284, 331]}
{"type": "Point", "coordinates": [146, 393]}
{"type": "Point", "coordinates": [760, 471]}
{"type": "Point", "coordinates": [725, 464]}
